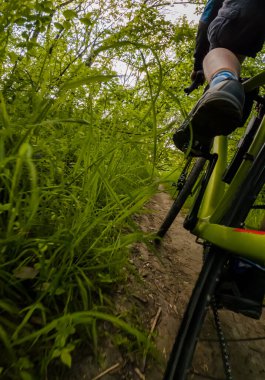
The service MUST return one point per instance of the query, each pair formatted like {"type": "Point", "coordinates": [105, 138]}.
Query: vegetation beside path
{"type": "Point", "coordinates": [89, 95]}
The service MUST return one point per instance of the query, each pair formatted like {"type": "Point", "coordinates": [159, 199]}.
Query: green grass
{"type": "Point", "coordinates": [68, 193]}
{"type": "Point", "coordinates": [255, 218]}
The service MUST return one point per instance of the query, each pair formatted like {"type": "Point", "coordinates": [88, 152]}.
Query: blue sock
{"type": "Point", "coordinates": [222, 75]}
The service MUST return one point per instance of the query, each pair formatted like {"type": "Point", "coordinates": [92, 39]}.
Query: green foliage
{"type": "Point", "coordinates": [80, 148]}
{"type": "Point", "coordinates": [68, 191]}
{"type": "Point", "coordinates": [76, 152]}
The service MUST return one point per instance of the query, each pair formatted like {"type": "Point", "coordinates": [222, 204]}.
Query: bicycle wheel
{"type": "Point", "coordinates": [184, 193]}
{"type": "Point", "coordinates": [183, 349]}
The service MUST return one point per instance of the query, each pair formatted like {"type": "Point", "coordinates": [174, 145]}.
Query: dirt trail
{"type": "Point", "coordinates": [168, 282]}
{"type": "Point", "coordinates": [169, 277]}
{"type": "Point", "coordinates": [159, 297]}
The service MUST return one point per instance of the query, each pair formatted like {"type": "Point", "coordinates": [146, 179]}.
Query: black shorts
{"type": "Point", "coordinates": [239, 27]}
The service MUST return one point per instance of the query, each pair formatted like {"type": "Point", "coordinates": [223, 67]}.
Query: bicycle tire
{"type": "Point", "coordinates": [182, 197]}
{"type": "Point", "coordinates": [183, 349]}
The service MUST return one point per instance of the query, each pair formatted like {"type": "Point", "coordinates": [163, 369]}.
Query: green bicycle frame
{"type": "Point", "coordinates": [218, 200]}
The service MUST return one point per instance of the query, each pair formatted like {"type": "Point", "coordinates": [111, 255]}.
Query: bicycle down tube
{"type": "Point", "coordinates": [217, 202]}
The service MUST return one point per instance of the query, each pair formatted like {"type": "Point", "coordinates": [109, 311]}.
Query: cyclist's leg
{"type": "Point", "coordinates": [239, 30]}
{"type": "Point", "coordinates": [220, 109]}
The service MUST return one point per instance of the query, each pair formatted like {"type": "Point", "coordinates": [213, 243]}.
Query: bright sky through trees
{"type": "Point", "coordinates": [176, 11]}
{"type": "Point", "coordinates": [172, 13]}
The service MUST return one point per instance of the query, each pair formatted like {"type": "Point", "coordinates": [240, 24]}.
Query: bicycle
{"type": "Point", "coordinates": [225, 194]}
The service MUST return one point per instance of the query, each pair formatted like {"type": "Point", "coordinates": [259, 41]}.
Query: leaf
{"type": "Point", "coordinates": [5, 207]}
{"type": "Point", "coordinates": [20, 21]}
{"type": "Point", "coordinates": [27, 317]}
{"type": "Point", "coordinates": [66, 357]}
{"type": "Point", "coordinates": [66, 25]}
{"type": "Point", "coordinates": [26, 375]}
{"type": "Point", "coordinates": [56, 353]}
{"type": "Point", "coordinates": [25, 273]}
{"type": "Point", "coordinates": [8, 307]}
{"type": "Point", "coordinates": [58, 26]}
{"type": "Point", "coordinates": [85, 317]}
{"type": "Point", "coordinates": [59, 291]}
{"type": "Point", "coordinates": [69, 14]}
{"type": "Point", "coordinates": [25, 35]}
{"type": "Point", "coordinates": [85, 21]}
{"type": "Point", "coordinates": [25, 363]}
{"type": "Point", "coordinates": [87, 80]}
{"type": "Point", "coordinates": [13, 56]}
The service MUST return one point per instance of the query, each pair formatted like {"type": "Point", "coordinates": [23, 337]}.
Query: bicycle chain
{"type": "Point", "coordinates": [222, 341]}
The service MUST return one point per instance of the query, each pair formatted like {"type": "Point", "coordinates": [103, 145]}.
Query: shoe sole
{"type": "Point", "coordinates": [217, 114]}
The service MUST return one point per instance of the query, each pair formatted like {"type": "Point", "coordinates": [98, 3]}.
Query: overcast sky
{"type": "Point", "coordinates": [175, 11]}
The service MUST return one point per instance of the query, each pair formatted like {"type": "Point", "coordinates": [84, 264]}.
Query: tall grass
{"type": "Point", "coordinates": [77, 156]}
{"type": "Point", "coordinates": [68, 190]}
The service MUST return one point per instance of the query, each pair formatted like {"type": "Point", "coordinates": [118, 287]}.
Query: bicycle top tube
{"type": "Point", "coordinates": [254, 82]}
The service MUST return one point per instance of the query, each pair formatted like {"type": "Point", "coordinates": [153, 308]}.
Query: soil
{"type": "Point", "coordinates": [165, 279]}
